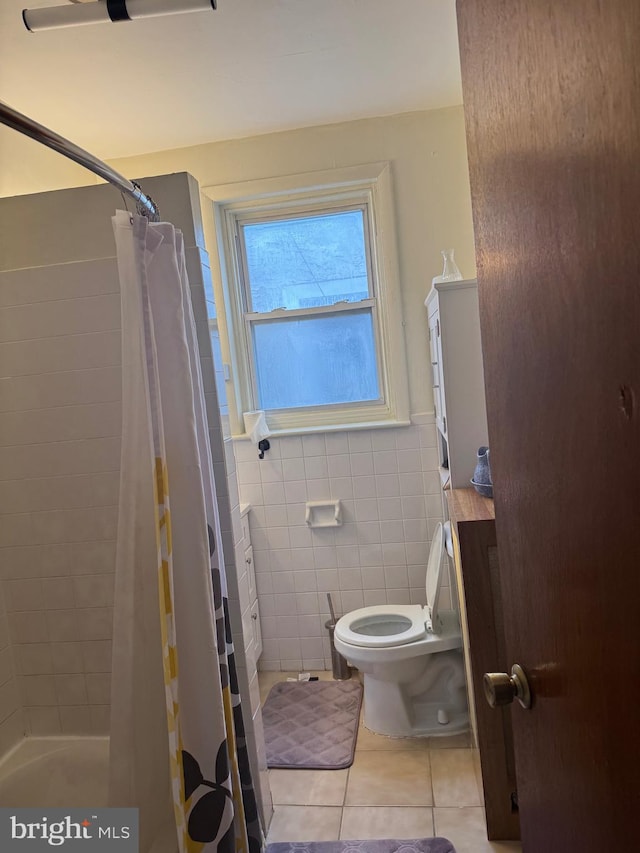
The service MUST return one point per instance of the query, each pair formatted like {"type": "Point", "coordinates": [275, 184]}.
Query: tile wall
{"type": "Point", "coordinates": [388, 482]}
{"type": "Point", "coordinates": [11, 716]}
{"type": "Point", "coordinates": [59, 472]}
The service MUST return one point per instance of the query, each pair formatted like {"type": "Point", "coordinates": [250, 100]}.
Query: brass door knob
{"type": "Point", "coordinates": [500, 688]}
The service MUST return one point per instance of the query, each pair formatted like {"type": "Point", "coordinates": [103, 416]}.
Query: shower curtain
{"type": "Point", "coordinates": [178, 751]}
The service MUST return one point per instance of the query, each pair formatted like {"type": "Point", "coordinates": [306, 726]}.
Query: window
{"type": "Point", "coordinates": [312, 303]}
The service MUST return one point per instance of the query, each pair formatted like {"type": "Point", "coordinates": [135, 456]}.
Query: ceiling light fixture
{"type": "Point", "coordinates": [80, 14]}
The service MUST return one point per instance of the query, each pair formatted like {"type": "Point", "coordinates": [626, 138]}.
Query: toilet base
{"type": "Point", "coordinates": [412, 708]}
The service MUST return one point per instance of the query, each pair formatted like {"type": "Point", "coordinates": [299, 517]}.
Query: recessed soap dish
{"type": "Point", "coordinates": [324, 513]}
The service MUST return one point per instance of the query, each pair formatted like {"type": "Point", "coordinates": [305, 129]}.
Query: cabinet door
{"type": "Point", "coordinates": [435, 352]}
{"type": "Point", "coordinates": [251, 573]}
{"type": "Point", "coordinates": [257, 633]}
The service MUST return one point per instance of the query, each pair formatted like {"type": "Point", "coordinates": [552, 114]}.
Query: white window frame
{"type": "Point", "coordinates": [367, 187]}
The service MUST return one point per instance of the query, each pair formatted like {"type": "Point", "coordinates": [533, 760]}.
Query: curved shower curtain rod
{"type": "Point", "coordinates": [12, 118]}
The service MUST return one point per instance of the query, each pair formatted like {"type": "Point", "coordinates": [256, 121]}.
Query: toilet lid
{"type": "Point", "coordinates": [435, 568]}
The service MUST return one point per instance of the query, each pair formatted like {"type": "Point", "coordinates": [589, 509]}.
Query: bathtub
{"type": "Point", "coordinates": [63, 772]}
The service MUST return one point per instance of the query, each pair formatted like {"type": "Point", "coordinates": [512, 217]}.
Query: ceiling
{"type": "Point", "coordinates": [251, 67]}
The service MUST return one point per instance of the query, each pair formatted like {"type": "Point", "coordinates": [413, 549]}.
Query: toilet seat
{"type": "Point", "coordinates": [358, 627]}
{"type": "Point", "coordinates": [384, 626]}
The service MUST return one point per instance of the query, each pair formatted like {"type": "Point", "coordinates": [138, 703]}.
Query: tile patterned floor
{"type": "Point", "coordinates": [402, 788]}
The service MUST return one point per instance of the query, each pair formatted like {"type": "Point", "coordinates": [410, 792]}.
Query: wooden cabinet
{"type": "Point", "coordinates": [457, 377]}
{"type": "Point", "coordinates": [480, 605]}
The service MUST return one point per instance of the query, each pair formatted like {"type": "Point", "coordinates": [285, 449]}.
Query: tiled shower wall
{"type": "Point", "coordinates": [11, 718]}
{"type": "Point", "coordinates": [388, 482]}
{"type": "Point", "coordinates": [59, 452]}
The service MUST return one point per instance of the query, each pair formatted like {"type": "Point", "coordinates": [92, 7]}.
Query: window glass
{"type": "Point", "coordinates": [306, 262]}
{"type": "Point", "coordinates": [313, 361]}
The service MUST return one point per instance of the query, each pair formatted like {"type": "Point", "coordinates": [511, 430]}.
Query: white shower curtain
{"type": "Point", "coordinates": [177, 740]}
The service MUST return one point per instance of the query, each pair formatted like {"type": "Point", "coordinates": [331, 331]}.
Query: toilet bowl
{"type": "Point", "coordinates": [411, 659]}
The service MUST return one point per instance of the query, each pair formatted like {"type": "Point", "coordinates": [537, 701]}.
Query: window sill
{"type": "Point", "coordinates": [314, 430]}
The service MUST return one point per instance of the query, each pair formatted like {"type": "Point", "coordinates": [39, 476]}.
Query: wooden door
{"type": "Point", "coordinates": [552, 106]}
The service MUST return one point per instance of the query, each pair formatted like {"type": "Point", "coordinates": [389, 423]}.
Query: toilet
{"type": "Point", "coordinates": [411, 659]}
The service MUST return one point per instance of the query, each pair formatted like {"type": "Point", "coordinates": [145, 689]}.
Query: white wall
{"type": "Point", "coordinates": [430, 183]}
{"type": "Point", "coordinates": [28, 167]}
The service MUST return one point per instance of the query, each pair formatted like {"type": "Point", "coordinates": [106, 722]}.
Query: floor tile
{"type": "Point", "coordinates": [454, 778]}
{"type": "Point", "coordinates": [461, 741]}
{"type": "Point", "coordinates": [386, 822]}
{"type": "Point", "coordinates": [399, 778]}
{"type": "Point", "coordinates": [368, 740]}
{"type": "Point", "coordinates": [466, 830]}
{"type": "Point", "coordinates": [305, 823]}
{"type": "Point", "coordinates": [308, 787]}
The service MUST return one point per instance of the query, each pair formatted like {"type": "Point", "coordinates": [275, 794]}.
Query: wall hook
{"type": "Point", "coordinates": [263, 445]}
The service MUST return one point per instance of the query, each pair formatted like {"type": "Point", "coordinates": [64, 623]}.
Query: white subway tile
{"type": "Point", "coordinates": [290, 648]}
{"type": "Point", "coordinates": [75, 720]}
{"type": "Point", "coordinates": [429, 456]}
{"type": "Point", "coordinates": [350, 579]}
{"type": "Point", "coordinates": [244, 450]}
{"type": "Point", "coordinates": [370, 555]}
{"type": "Point", "coordinates": [388, 485]}
{"type": "Point", "coordinates": [324, 557]}
{"type": "Point", "coordinates": [312, 625]}
{"type": "Point", "coordinates": [43, 721]}
{"type": "Point", "coordinates": [389, 508]}
{"type": "Point", "coordinates": [383, 439]}
{"type": "Point", "coordinates": [409, 461]}
{"type": "Point", "coordinates": [304, 580]}
{"type": "Point", "coordinates": [315, 467]}
{"type": "Point", "coordinates": [408, 438]}
{"type": "Point", "coordinates": [341, 487]}
{"type": "Point", "coordinates": [252, 494]}
{"type": "Point", "coordinates": [277, 537]}
{"type": "Point", "coordinates": [327, 580]}
{"type": "Point", "coordinates": [295, 491]}
{"type": "Point", "coordinates": [291, 447]}
{"type": "Point", "coordinates": [273, 493]}
{"type": "Point", "coordinates": [411, 484]}
{"type": "Point", "coordinates": [359, 441]}
{"type": "Point", "coordinates": [395, 577]}
{"type": "Point", "coordinates": [336, 443]}
{"type": "Point", "coordinates": [71, 689]}
{"type": "Point", "coordinates": [398, 596]}
{"type": "Point", "coordinates": [311, 648]}
{"type": "Point", "coordinates": [23, 595]}
{"type": "Point", "coordinates": [393, 554]}
{"type": "Point", "coordinates": [283, 582]}
{"type": "Point", "coordinates": [392, 531]}
{"type": "Point", "coordinates": [417, 576]}
{"type": "Point", "coordinates": [293, 469]}
{"type": "Point", "coordinates": [414, 507]}
{"type": "Point", "coordinates": [434, 506]}
{"type": "Point", "coordinates": [352, 599]}
{"type": "Point", "coordinates": [339, 465]}
{"type": "Point", "coordinates": [281, 560]}
{"type": "Point", "coordinates": [417, 554]}
{"type": "Point", "coordinates": [28, 627]}
{"type": "Point", "coordinates": [367, 510]}
{"type": "Point", "coordinates": [248, 473]}
{"type": "Point", "coordinates": [6, 663]}
{"type": "Point", "coordinates": [61, 317]}
{"type": "Point", "coordinates": [299, 536]}
{"type": "Point", "coordinates": [385, 462]}
{"type": "Point", "coordinates": [368, 533]}
{"type": "Point", "coordinates": [307, 603]}
{"type": "Point", "coordinates": [276, 515]}
{"type": "Point", "coordinates": [58, 593]}
{"type": "Point", "coordinates": [61, 353]}
{"type": "Point", "coordinates": [372, 577]}
{"type": "Point", "coordinates": [361, 464]}
{"type": "Point", "coordinates": [95, 623]}
{"type": "Point", "coordinates": [98, 688]}
{"type": "Point", "coordinates": [374, 597]}
{"type": "Point", "coordinates": [67, 658]}
{"type": "Point", "coordinates": [38, 689]}
{"type": "Point", "coordinates": [33, 659]}
{"type": "Point", "coordinates": [319, 490]}
{"type": "Point", "coordinates": [347, 534]}
{"type": "Point", "coordinates": [415, 530]}
{"type": "Point", "coordinates": [364, 487]}
{"type": "Point", "coordinates": [270, 471]}
{"type": "Point", "coordinates": [347, 557]}
{"type": "Point", "coordinates": [100, 719]}
{"type": "Point", "coordinates": [313, 445]}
